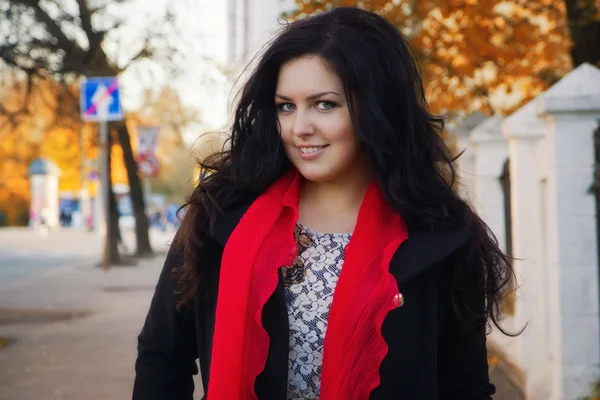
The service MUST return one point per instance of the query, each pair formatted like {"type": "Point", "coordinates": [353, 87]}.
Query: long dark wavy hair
{"type": "Point", "coordinates": [412, 164]}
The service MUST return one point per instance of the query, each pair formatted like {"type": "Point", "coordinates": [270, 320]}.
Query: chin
{"type": "Point", "coordinates": [317, 174]}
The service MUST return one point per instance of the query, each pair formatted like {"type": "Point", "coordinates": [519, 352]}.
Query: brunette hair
{"type": "Point", "coordinates": [412, 164]}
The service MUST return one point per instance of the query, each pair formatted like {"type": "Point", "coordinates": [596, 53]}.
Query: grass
{"type": "Point", "coordinates": [4, 341]}
{"type": "Point", "coordinates": [595, 393]}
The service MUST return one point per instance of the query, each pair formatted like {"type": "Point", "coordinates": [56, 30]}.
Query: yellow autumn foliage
{"type": "Point", "coordinates": [488, 55]}
{"type": "Point", "coordinates": [31, 129]}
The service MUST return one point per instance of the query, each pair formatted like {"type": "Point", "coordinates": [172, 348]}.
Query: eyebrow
{"type": "Point", "coordinates": [311, 97]}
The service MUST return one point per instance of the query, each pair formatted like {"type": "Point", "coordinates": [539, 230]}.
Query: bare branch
{"type": "Point", "coordinates": [54, 30]}
{"type": "Point", "coordinates": [86, 19]}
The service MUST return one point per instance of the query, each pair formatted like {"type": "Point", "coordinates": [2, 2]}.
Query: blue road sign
{"type": "Point", "coordinates": [100, 100]}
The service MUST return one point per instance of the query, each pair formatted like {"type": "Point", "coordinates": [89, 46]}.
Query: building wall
{"type": "Point", "coordinates": [554, 239]}
{"type": "Point", "coordinates": [251, 24]}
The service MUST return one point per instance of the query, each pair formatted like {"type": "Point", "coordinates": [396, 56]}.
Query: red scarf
{"type": "Point", "coordinates": [262, 242]}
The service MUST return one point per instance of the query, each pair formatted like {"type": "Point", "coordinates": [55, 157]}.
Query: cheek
{"type": "Point", "coordinates": [346, 143]}
{"type": "Point", "coordinates": [349, 148]}
{"type": "Point", "coordinates": [342, 132]}
{"type": "Point", "coordinates": [337, 126]}
{"type": "Point", "coordinates": [284, 131]}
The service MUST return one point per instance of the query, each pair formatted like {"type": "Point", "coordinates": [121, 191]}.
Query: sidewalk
{"type": "Point", "coordinates": [75, 330]}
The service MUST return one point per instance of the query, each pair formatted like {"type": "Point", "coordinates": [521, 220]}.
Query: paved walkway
{"type": "Point", "coordinates": [75, 330]}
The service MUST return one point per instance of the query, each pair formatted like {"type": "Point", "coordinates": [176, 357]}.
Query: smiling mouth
{"type": "Point", "coordinates": [312, 149]}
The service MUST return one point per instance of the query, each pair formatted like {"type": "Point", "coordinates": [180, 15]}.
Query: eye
{"type": "Point", "coordinates": [285, 107]}
{"type": "Point", "coordinates": [326, 105]}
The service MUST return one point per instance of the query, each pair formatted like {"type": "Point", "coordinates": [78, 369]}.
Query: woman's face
{"type": "Point", "coordinates": [314, 120]}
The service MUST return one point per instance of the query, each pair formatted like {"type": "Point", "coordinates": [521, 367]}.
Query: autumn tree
{"type": "Point", "coordinates": [37, 132]}
{"type": "Point", "coordinates": [488, 55]}
{"type": "Point", "coordinates": [65, 40]}
{"type": "Point", "coordinates": [15, 156]}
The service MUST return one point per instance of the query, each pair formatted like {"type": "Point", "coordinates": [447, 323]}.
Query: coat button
{"type": "Point", "coordinates": [399, 300]}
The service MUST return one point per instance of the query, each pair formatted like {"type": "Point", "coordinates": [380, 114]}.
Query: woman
{"type": "Point", "coordinates": [331, 212]}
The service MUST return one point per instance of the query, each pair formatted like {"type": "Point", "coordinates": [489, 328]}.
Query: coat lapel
{"type": "Point", "coordinates": [226, 222]}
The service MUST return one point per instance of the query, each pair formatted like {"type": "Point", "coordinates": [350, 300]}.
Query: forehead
{"type": "Point", "coordinates": [307, 75]}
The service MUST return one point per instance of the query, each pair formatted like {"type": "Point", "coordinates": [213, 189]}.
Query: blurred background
{"type": "Point", "coordinates": [106, 104]}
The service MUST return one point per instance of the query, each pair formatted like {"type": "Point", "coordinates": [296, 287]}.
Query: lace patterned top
{"type": "Point", "coordinates": [310, 283]}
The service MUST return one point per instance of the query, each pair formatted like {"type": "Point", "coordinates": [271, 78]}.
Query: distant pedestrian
{"type": "Point", "coordinates": [171, 216]}
{"type": "Point", "coordinates": [325, 255]}
{"type": "Point", "coordinates": [44, 227]}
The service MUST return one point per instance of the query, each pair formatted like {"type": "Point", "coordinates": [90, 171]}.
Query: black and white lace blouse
{"type": "Point", "coordinates": [310, 283]}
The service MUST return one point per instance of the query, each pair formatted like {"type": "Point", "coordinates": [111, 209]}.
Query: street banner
{"type": "Point", "coordinates": [148, 136]}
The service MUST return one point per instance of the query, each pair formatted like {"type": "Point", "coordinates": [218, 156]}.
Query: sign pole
{"type": "Point", "coordinates": [100, 102]}
{"type": "Point", "coordinates": [104, 179]}
{"type": "Point", "coordinates": [147, 162]}
{"type": "Point", "coordinates": [147, 192]}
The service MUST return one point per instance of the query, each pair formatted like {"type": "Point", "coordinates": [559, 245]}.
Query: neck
{"type": "Point", "coordinates": [333, 206]}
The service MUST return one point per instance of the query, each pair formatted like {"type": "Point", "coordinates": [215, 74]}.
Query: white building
{"type": "Point", "coordinates": [235, 33]}
{"type": "Point", "coordinates": [549, 147]}
{"type": "Point", "coordinates": [250, 24]}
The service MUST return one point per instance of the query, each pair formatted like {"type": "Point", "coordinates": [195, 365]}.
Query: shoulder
{"type": "Point", "coordinates": [229, 215]}
{"type": "Point", "coordinates": [434, 245]}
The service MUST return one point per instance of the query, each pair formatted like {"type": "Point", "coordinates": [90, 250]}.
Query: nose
{"type": "Point", "coordinates": [303, 124]}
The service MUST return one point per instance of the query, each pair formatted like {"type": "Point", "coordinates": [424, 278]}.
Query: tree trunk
{"type": "Point", "coordinates": [114, 233]}
{"type": "Point", "coordinates": [143, 247]}
{"type": "Point", "coordinates": [584, 29]}
{"type": "Point", "coordinates": [111, 245]}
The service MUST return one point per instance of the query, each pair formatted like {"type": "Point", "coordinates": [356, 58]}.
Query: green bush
{"type": "Point", "coordinates": [22, 218]}
{"type": "Point", "coordinates": [595, 393]}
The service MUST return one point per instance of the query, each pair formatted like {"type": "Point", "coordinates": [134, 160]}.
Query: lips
{"type": "Point", "coordinates": [312, 149]}
{"type": "Point", "coordinates": [308, 153]}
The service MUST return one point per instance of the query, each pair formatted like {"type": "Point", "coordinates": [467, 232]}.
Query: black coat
{"type": "Point", "coordinates": [430, 354]}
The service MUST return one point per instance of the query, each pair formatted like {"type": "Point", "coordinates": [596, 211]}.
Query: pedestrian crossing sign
{"type": "Point", "coordinates": [100, 99]}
